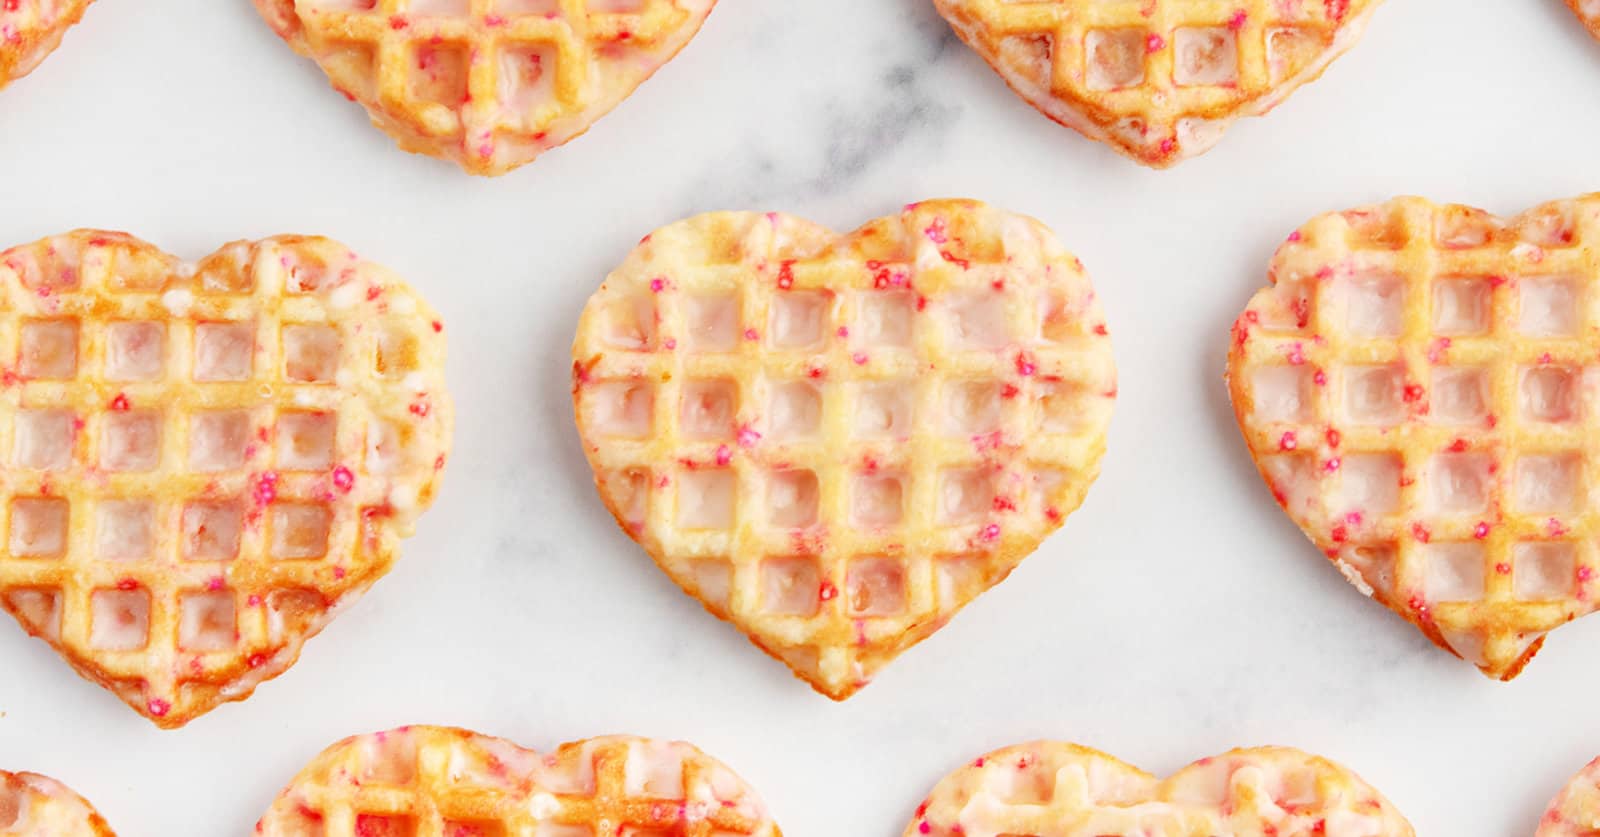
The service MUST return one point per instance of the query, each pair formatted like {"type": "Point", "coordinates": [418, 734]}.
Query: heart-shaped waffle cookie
{"type": "Point", "coordinates": [1418, 389]}
{"type": "Point", "coordinates": [203, 463]}
{"type": "Point", "coordinates": [30, 30]}
{"type": "Point", "coordinates": [489, 84]}
{"type": "Point", "coordinates": [1575, 812]}
{"type": "Point", "coordinates": [38, 806]}
{"type": "Point", "coordinates": [1158, 80]}
{"type": "Point", "coordinates": [1060, 789]}
{"type": "Point", "coordinates": [836, 442]}
{"type": "Point", "coordinates": [423, 780]}
{"type": "Point", "coordinates": [1587, 11]}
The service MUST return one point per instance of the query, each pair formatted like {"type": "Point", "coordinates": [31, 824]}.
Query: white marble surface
{"type": "Point", "coordinates": [1177, 614]}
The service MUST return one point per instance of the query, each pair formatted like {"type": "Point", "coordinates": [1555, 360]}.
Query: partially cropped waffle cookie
{"type": "Point", "coordinates": [204, 463]}
{"type": "Point", "coordinates": [1158, 80]}
{"type": "Point", "coordinates": [1418, 389]}
{"type": "Point", "coordinates": [423, 780]}
{"type": "Point", "coordinates": [489, 84]}
{"type": "Point", "coordinates": [1060, 789]}
{"type": "Point", "coordinates": [837, 441]}
{"type": "Point", "coordinates": [38, 806]}
{"type": "Point", "coordinates": [1587, 11]}
{"type": "Point", "coordinates": [1575, 812]}
{"type": "Point", "coordinates": [30, 30]}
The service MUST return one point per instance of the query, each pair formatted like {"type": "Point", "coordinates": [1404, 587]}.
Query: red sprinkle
{"type": "Point", "coordinates": [256, 660]}
{"type": "Point", "coordinates": [120, 403]}
{"type": "Point", "coordinates": [827, 591]}
{"type": "Point", "coordinates": [128, 584]}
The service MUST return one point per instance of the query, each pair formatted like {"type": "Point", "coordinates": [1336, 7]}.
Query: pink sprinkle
{"type": "Point", "coordinates": [253, 601]}
{"type": "Point", "coordinates": [924, 828]}
{"type": "Point", "coordinates": [844, 331]}
{"type": "Point", "coordinates": [266, 489]}
{"type": "Point", "coordinates": [215, 583]}
{"type": "Point", "coordinates": [493, 20]}
{"type": "Point", "coordinates": [1296, 354]}
{"type": "Point", "coordinates": [751, 334]}
{"type": "Point", "coordinates": [657, 284]}
{"type": "Point", "coordinates": [1480, 531]}
{"type": "Point", "coordinates": [991, 532]}
{"type": "Point", "coordinates": [1331, 465]}
{"type": "Point", "coordinates": [159, 707]}
{"type": "Point", "coordinates": [343, 479]}
{"type": "Point", "coordinates": [1155, 43]}
{"type": "Point", "coordinates": [1237, 21]}
{"type": "Point", "coordinates": [338, 572]}
{"type": "Point", "coordinates": [859, 357]}
{"type": "Point", "coordinates": [1319, 378]}
{"type": "Point", "coordinates": [1288, 441]}
{"type": "Point", "coordinates": [1294, 236]}
{"type": "Point", "coordinates": [936, 231]}
{"type": "Point", "coordinates": [670, 343]}
{"type": "Point", "coordinates": [1168, 145]}
{"type": "Point", "coordinates": [1025, 366]}
{"type": "Point", "coordinates": [1584, 574]}
{"type": "Point", "coordinates": [748, 437]}
{"type": "Point", "coordinates": [724, 455]}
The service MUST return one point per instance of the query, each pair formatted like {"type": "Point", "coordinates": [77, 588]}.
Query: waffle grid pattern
{"type": "Point", "coordinates": [1158, 79]}
{"type": "Point", "coordinates": [34, 806]}
{"type": "Point", "coordinates": [838, 442]}
{"type": "Point", "coordinates": [1051, 787]}
{"type": "Point", "coordinates": [30, 30]}
{"type": "Point", "coordinates": [203, 462]}
{"type": "Point", "coordinates": [490, 84]}
{"type": "Point", "coordinates": [441, 781]}
{"type": "Point", "coordinates": [1450, 357]}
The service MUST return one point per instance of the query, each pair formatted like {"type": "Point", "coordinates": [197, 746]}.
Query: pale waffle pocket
{"type": "Point", "coordinates": [1157, 80]}
{"type": "Point", "coordinates": [205, 463]}
{"type": "Point", "coordinates": [423, 780]}
{"type": "Point", "coordinates": [1052, 787]}
{"type": "Point", "coordinates": [1418, 388]}
{"type": "Point", "coordinates": [487, 84]}
{"type": "Point", "coordinates": [837, 441]}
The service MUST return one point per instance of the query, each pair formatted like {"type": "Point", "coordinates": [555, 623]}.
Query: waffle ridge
{"type": "Point", "coordinates": [204, 463]}
{"type": "Point", "coordinates": [793, 425]}
{"type": "Point", "coordinates": [1447, 355]}
{"type": "Point", "coordinates": [1158, 80]}
{"type": "Point", "coordinates": [488, 84]}
{"type": "Point", "coordinates": [1067, 790]}
{"type": "Point", "coordinates": [32, 29]}
{"type": "Point", "coordinates": [441, 780]}
{"type": "Point", "coordinates": [39, 806]}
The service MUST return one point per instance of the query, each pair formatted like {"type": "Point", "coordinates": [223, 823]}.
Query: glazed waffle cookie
{"type": "Point", "coordinates": [38, 806]}
{"type": "Point", "coordinates": [204, 463]}
{"type": "Point", "coordinates": [1063, 790]}
{"type": "Point", "coordinates": [423, 780]}
{"type": "Point", "coordinates": [1575, 812]}
{"type": "Point", "coordinates": [1587, 11]}
{"type": "Point", "coordinates": [489, 84]}
{"type": "Point", "coordinates": [1417, 388]}
{"type": "Point", "coordinates": [1158, 80]}
{"type": "Point", "coordinates": [30, 30]}
{"type": "Point", "coordinates": [836, 442]}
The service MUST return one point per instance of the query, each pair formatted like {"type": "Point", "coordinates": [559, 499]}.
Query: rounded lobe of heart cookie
{"type": "Point", "coordinates": [32, 29]}
{"type": "Point", "coordinates": [1575, 811]}
{"type": "Point", "coordinates": [487, 84]}
{"type": "Point", "coordinates": [443, 780]}
{"type": "Point", "coordinates": [1053, 787]}
{"type": "Point", "coordinates": [1160, 81]}
{"type": "Point", "coordinates": [837, 441]}
{"type": "Point", "coordinates": [1415, 387]}
{"type": "Point", "coordinates": [38, 806]}
{"type": "Point", "coordinates": [205, 463]}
